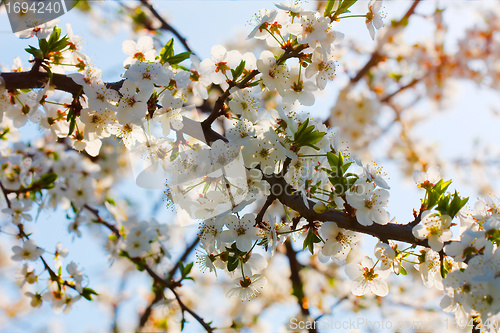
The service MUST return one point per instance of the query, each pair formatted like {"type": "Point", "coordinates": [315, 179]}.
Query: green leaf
{"type": "Point", "coordinates": [456, 204]}
{"type": "Point", "coordinates": [344, 6]}
{"type": "Point", "coordinates": [178, 58]}
{"type": "Point", "coordinates": [87, 293]}
{"type": "Point", "coordinates": [238, 70]}
{"type": "Point", "coordinates": [232, 262]}
{"type": "Point", "coordinates": [185, 270]}
{"type": "Point", "coordinates": [333, 159]}
{"type": "Point", "coordinates": [35, 52]}
{"type": "Point", "coordinates": [442, 206]}
{"type": "Point", "coordinates": [167, 51]}
{"type": "Point", "coordinates": [44, 45]}
{"type": "Point", "coordinates": [402, 270]}
{"type": "Point", "coordinates": [443, 270]}
{"type": "Point", "coordinates": [329, 7]}
{"type": "Point", "coordinates": [183, 322]}
{"type": "Point", "coordinates": [47, 181]}
{"type": "Point", "coordinates": [307, 135]}
{"type": "Point", "coordinates": [310, 240]}
{"type": "Point", "coordinates": [72, 125]}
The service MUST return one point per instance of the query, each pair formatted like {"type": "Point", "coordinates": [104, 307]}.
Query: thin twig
{"type": "Point", "coordinates": [376, 57]}
{"type": "Point", "coordinates": [184, 307]}
{"type": "Point", "coordinates": [166, 26]}
{"type": "Point", "coordinates": [184, 256]}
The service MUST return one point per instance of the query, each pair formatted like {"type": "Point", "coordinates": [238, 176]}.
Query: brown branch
{"type": "Point", "coordinates": [108, 225]}
{"type": "Point", "coordinates": [4, 191]}
{"type": "Point", "coordinates": [165, 25]}
{"type": "Point", "coordinates": [269, 201]}
{"type": "Point", "coordinates": [184, 256]}
{"type": "Point", "coordinates": [147, 312]}
{"type": "Point", "coordinates": [297, 285]}
{"type": "Point", "coordinates": [376, 57]}
{"type": "Point", "coordinates": [29, 80]}
{"type": "Point", "coordinates": [185, 308]}
{"type": "Point", "coordinates": [289, 197]}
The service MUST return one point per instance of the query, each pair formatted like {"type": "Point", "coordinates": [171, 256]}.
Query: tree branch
{"type": "Point", "coordinates": [376, 57]}
{"type": "Point", "coordinates": [165, 25]}
{"type": "Point", "coordinates": [297, 285]}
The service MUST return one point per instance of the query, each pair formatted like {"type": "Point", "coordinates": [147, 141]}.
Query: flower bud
{"type": "Point", "coordinates": [320, 207]}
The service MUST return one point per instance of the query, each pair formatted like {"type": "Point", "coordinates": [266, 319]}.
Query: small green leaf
{"type": "Point", "coordinates": [178, 58]}
{"type": "Point", "coordinates": [329, 7]}
{"type": "Point", "coordinates": [310, 240]}
{"type": "Point", "coordinates": [47, 181]}
{"type": "Point", "coordinates": [87, 293]}
{"type": "Point", "coordinates": [232, 262]}
{"type": "Point", "coordinates": [443, 270]}
{"type": "Point", "coordinates": [238, 70]}
{"type": "Point", "coordinates": [344, 6]}
{"type": "Point", "coordinates": [167, 51]}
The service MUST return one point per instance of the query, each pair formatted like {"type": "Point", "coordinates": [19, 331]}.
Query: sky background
{"type": "Point", "coordinates": [204, 24]}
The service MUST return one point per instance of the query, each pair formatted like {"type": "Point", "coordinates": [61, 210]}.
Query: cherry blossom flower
{"type": "Point", "coordinates": [369, 203]}
{"type": "Point", "coordinates": [426, 179]}
{"type": "Point", "coordinates": [219, 66]}
{"type": "Point", "coordinates": [129, 133]}
{"type": "Point", "coordinates": [77, 276]}
{"type": "Point", "coordinates": [292, 7]}
{"type": "Point", "coordinates": [243, 103]}
{"type": "Point", "coordinates": [198, 78]}
{"type": "Point", "coordinates": [265, 152]}
{"type": "Point", "coordinates": [430, 269]}
{"type": "Point", "coordinates": [40, 30]}
{"type": "Point", "coordinates": [387, 256]}
{"type": "Point", "coordinates": [132, 107]}
{"type": "Point", "coordinates": [59, 254]}
{"type": "Point", "coordinates": [170, 114]}
{"type": "Point", "coordinates": [29, 251]}
{"type": "Point", "coordinates": [28, 275]}
{"type": "Point", "coordinates": [263, 20]}
{"type": "Point", "coordinates": [323, 68]}
{"type": "Point", "coordinates": [36, 299]}
{"type": "Point", "coordinates": [247, 287]}
{"type": "Point", "coordinates": [142, 50]}
{"type": "Point", "coordinates": [298, 89]}
{"type": "Point", "coordinates": [375, 176]}
{"type": "Point", "coordinates": [274, 75]}
{"type": "Point", "coordinates": [138, 240]}
{"type": "Point", "coordinates": [96, 123]}
{"type": "Point", "coordinates": [240, 230]}
{"type": "Point", "coordinates": [373, 17]}
{"type": "Point", "coordinates": [147, 75]}
{"type": "Point", "coordinates": [471, 242]}
{"type": "Point", "coordinates": [312, 27]}
{"type": "Point", "coordinates": [338, 241]}
{"type": "Point", "coordinates": [366, 278]}
{"type": "Point", "coordinates": [100, 97]}
{"type": "Point", "coordinates": [435, 228]}
{"type": "Point", "coordinates": [18, 209]}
